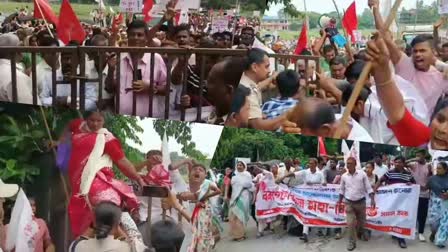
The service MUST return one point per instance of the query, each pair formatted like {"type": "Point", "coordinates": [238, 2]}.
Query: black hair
{"type": "Point", "coordinates": [354, 70]}
{"type": "Point", "coordinates": [371, 163]}
{"type": "Point", "coordinates": [442, 104]}
{"type": "Point", "coordinates": [421, 151]}
{"type": "Point", "coordinates": [422, 39]}
{"type": "Point", "coordinates": [320, 159]}
{"type": "Point", "coordinates": [323, 114]}
{"type": "Point", "coordinates": [88, 113]}
{"type": "Point", "coordinates": [153, 153]}
{"type": "Point", "coordinates": [444, 165]}
{"type": "Point", "coordinates": [217, 35]}
{"type": "Point", "coordinates": [288, 83]}
{"type": "Point", "coordinates": [137, 24]}
{"type": "Point", "coordinates": [306, 53]}
{"type": "Point", "coordinates": [107, 216]}
{"type": "Point", "coordinates": [255, 55]}
{"type": "Point", "coordinates": [233, 69]}
{"type": "Point", "coordinates": [97, 38]}
{"type": "Point", "coordinates": [380, 156]}
{"type": "Point", "coordinates": [361, 55]}
{"type": "Point", "coordinates": [348, 90]}
{"type": "Point", "coordinates": [73, 43]}
{"type": "Point", "coordinates": [248, 28]}
{"type": "Point", "coordinates": [166, 236]}
{"type": "Point", "coordinates": [239, 99]}
{"type": "Point", "coordinates": [227, 33]}
{"type": "Point", "coordinates": [181, 27]}
{"type": "Point", "coordinates": [338, 60]}
{"type": "Point", "coordinates": [328, 48]}
{"type": "Point", "coordinates": [48, 41]}
{"type": "Point", "coordinates": [401, 158]}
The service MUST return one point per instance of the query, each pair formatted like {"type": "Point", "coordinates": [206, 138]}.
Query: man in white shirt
{"type": "Point", "coordinates": [6, 191]}
{"type": "Point", "coordinates": [354, 188]}
{"type": "Point", "coordinates": [380, 168]}
{"type": "Point", "coordinates": [24, 84]}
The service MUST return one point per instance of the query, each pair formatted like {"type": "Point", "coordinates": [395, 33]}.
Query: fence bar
{"type": "Point", "coordinates": [169, 65]}
{"type": "Point", "coordinates": [82, 82]}
{"type": "Point", "coordinates": [184, 87]}
{"type": "Point", "coordinates": [100, 77]}
{"type": "Point", "coordinates": [14, 78]}
{"type": "Point", "coordinates": [34, 77]}
{"type": "Point", "coordinates": [134, 95]}
{"type": "Point", "coordinates": [201, 85]}
{"type": "Point", "coordinates": [118, 81]}
{"type": "Point", "coordinates": [53, 86]}
{"type": "Point", "coordinates": [152, 85]}
{"type": "Point", "coordinates": [74, 81]}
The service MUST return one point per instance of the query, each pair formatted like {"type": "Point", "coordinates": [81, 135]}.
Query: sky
{"type": "Point", "coordinates": [326, 6]}
{"type": "Point", "coordinates": [205, 136]}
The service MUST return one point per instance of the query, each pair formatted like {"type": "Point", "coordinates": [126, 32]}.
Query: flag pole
{"type": "Point", "coordinates": [307, 21]}
{"type": "Point", "coordinates": [45, 20]}
{"type": "Point", "coordinates": [364, 75]}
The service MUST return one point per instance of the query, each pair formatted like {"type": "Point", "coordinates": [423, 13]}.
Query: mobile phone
{"type": "Point", "coordinates": [155, 191]}
{"type": "Point", "coordinates": [139, 74]}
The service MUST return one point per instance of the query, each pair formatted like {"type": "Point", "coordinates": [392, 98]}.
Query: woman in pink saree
{"type": "Point", "coordinates": [94, 151]}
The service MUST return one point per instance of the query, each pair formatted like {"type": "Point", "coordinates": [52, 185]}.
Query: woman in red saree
{"type": "Point", "coordinates": [94, 151]}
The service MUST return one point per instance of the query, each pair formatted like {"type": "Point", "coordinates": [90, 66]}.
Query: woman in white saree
{"type": "Point", "coordinates": [240, 201]}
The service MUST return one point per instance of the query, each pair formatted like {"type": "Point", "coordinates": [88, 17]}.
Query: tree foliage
{"type": "Point", "coordinates": [259, 146]}
{"type": "Point", "coordinates": [181, 132]}
{"type": "Point", "coordinates": [24, 138]}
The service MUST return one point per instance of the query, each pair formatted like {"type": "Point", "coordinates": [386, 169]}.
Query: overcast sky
{"type": "Point", "coordinates": [205, 136]}
{"type": "Point", "coordinates": [326, 6]}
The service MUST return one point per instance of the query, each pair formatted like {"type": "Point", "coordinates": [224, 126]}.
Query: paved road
{"type": "Point", "coordinates": [280, 241]}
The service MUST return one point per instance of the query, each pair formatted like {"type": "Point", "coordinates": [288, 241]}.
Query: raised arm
{"type": "Point", "coordinates": [395, 52]}
{"type": "Point", "coordinates": [388, 93]}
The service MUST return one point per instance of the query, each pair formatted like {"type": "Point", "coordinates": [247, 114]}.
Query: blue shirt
{"type": "Point", "coordinates": [277, 106]}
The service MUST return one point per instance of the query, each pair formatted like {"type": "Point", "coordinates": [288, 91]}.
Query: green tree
{"type": "Point", "coordinates": [259, 146]}
{"type": "Point", "coordinates": [181, 132]}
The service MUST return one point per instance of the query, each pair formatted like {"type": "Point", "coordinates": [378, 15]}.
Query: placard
{"type": "Point", "coordinates": [131, 6]}
{"type": "Point", "coordinates": [220, 24]}
{"type": "Point", "coordinates": [443, 7]}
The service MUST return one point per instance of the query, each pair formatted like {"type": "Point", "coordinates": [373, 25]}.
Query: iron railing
{"type": "Point", "coordinates": [79, 62]}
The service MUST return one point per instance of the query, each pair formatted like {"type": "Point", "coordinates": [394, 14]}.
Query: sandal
{"type": "Point", "coordinates": [240, 239]}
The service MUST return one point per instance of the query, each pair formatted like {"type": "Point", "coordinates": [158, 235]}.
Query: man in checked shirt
{"type": "Point", "coordinates": [354, 187]}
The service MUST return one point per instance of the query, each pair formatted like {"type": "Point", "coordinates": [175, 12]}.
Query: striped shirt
{"type": "Point", "coordinates": [277, 106]}
{"type": "Point", "coordinates": [395, 177]}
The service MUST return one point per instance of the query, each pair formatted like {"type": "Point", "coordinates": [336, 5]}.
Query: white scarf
{"type": "Point", "coordinates": [96, 162]}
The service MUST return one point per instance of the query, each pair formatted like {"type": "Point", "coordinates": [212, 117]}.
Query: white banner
{"type": "Point", "coordinates": [395, 212]}
{"type": "Point", "coordinates": [131, 6]}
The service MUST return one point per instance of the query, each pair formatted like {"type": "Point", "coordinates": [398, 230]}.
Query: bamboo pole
{"type": "Point", "coordinates": [364, 75]}
{"type": "Point", "coordinates": [45, 20]}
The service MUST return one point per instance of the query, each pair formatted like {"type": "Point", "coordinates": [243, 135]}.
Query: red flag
{"type": "Point", "coordinates": [350, 21]}
{"type": "Point", "coordinates": [117, 21]}
{"type": "Point", "coordinates": [146, 10]}
{"type": "Point", "coordinates": [302, 42]}
{"type": "Point", "coordinates": [69, 26]}
{"type": "Point", "coordinates": [321, 147]}
{"type": "Point", "coordinates": [43, 10]}
{"type": "Point", "coordinates": [177, 17]}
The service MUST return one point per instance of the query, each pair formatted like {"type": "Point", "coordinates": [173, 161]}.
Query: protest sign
{"type": "Point", "coordinates": [395, 212]}
{"type": "Point", "coordinates": [443, 7]}
{"type": "Point", "coordinates": [131, 6]}
{"type": "Point", "coordinates": [220, 24]}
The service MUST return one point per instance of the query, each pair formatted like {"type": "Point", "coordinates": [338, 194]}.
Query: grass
{"type": "Point", "coordinates": [82, 10]}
